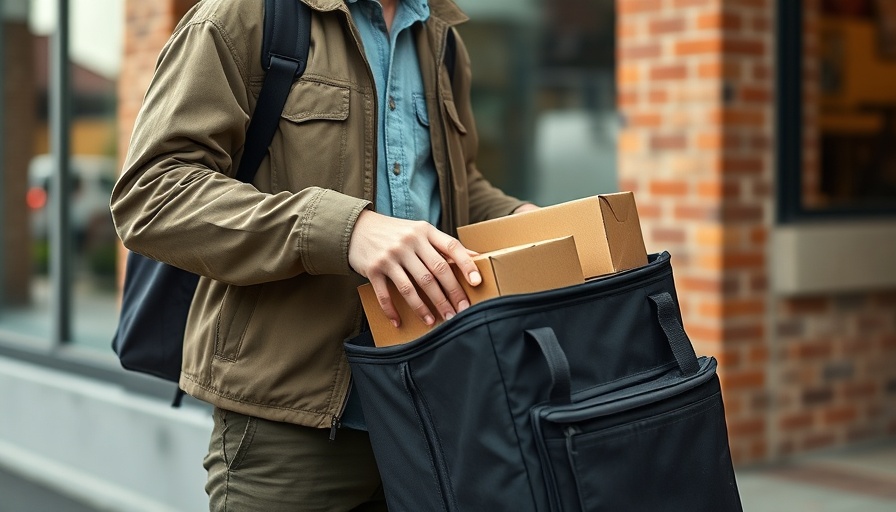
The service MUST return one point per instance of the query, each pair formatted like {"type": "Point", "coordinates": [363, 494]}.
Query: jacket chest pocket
{"type": "Point", "coordinates": [309, 149]}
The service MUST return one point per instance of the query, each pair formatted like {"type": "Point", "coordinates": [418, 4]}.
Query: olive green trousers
{"type": "Point", "coordinates": [257, 465]}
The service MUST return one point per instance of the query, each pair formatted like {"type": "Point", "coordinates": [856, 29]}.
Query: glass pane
{"type": "Point", "coordinates": [96, 49]}
{"type": "Point", "coordinates": [576, 117]}
{"type": "Point", "coordinates": [856, 164]}
{"type": "Point", "coordinates": [544, 95]}
{"type": "Point", "coordinates": [24, 253]}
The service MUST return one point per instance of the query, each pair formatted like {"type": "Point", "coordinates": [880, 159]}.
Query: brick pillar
{"type": "Point", "coordinates": [20, 120]}
{"type": "Point", "coordinates": [695, 91]}
{"type": "Point", "coordinates": [148, 25]}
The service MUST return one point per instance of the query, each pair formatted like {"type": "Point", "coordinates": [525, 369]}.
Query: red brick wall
{"type": "Point", "coordinates": [836, 359]}
{"type": "Point", "coordinates": [695, 90]}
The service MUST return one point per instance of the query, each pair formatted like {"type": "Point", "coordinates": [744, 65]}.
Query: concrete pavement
{"type": "Point", "coordinates": [856, 479]}
{"type": "Point", "coordinates": [20, 495]}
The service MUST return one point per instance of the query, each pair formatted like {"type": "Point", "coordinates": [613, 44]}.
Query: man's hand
{"type": "Point", "coordinates": [525, 207]}
{"type": "Point", "coordinates": [406, 252]}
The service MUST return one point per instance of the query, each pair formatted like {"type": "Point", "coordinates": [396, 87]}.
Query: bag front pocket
{"type": "Point", "coordinates": [643, 448]}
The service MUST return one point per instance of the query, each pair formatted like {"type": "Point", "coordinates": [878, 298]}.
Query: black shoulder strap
{"type": "Point", "coordinates": [284, 54]}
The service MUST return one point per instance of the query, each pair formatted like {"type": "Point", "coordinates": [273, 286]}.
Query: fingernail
{"type": "Point", "coordinates": [475, 278]}
{"type": "Point", "coordinates": [462, 305]}
{"type": "Point", "coordinates": [449, 316]}
{"type": "Point", "coordinates": [429, 320]}
{"type": "Point", "coordinates": [395, 323]}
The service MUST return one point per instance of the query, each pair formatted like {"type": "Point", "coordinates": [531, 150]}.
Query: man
{"type": "Point", "coordinates": [376, 147]}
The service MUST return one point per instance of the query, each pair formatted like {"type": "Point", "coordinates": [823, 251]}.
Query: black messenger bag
{"type": "Point", "coordinates": [586, 398]}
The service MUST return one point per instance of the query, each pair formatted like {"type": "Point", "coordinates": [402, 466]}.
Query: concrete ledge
{"type": "Point", "coordinates": [833, 257]}
{"type": "Point", "coordinates": [100, 444]}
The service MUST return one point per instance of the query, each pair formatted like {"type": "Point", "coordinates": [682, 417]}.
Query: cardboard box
{"type": "Point", "coordinates": [531, 267]}
{"type": "Point", "coordinates": [606, 229]}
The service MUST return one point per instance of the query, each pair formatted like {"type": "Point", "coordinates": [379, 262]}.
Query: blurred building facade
{"type": "Point", "coordinates": [758, 143]}
{"type": "Point", "coordinates": [757, 136]}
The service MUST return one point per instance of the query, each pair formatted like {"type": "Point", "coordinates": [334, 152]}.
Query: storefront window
{"type": "Point", "coordinates": [856, 105]}
{"type": "Point", "coordinates": [31, 286]}
{"type": "Point", "coordinates": [836, 109]}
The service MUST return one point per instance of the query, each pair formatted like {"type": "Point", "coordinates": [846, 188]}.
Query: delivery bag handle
{"type": "Point", "coordinates": [558, 365]}
{"type": "Point", "coordinates": [667, 313]}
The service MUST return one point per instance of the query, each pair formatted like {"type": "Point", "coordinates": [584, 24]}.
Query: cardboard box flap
{"type": "Point", "coordinates": [621, 205]}
{"type": "Point", "coordinates": [623, 229]}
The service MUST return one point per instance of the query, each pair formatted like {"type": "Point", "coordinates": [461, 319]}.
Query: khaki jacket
{"type": "Point", "coordinates": [277, 297]}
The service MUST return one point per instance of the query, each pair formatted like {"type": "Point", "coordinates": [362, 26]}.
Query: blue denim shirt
{"type": "Point", "coordinates": [406, 181]}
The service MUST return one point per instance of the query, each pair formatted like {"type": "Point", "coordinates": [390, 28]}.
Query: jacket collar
{"type": "Point", "coordinates": [445, 10]}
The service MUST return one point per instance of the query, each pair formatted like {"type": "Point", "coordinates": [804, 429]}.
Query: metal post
{"type": "Point", "coordinates": [60, 233]}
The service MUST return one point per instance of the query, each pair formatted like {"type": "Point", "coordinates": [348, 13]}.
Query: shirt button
{"type": "Point", "coordinates": [391, 103]}
{"type": "Point", "coordinates": [396, 169]}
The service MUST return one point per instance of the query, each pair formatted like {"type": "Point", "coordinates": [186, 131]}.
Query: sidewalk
{"type": "Point", "coordinates": [20, 495]}
{"type": "Point", "coordinates": [859, 479]}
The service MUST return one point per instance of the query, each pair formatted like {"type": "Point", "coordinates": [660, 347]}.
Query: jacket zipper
{"type": "Point", "coordinates": [337, 418]}
{"type": "Point", "coordinates": [336, 423]}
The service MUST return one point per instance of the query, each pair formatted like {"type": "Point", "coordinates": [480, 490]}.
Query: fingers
{"type": "Point", "coordinates": [420, 292]}
{"type": "Point", "coordinates": [430, 280]}
{"type": "Point", "coordinates": [444, 286]}
{"type": "Point", "coordinates": [385, 300]}
{"type": "Point", "coordinates": [453, 249]}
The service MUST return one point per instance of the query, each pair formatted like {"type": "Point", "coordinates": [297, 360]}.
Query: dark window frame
{"type": "Point", "coordinates": [789, 120]}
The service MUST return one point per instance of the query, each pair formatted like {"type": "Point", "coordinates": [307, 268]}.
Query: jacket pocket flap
{"type": "Point", "coordinates": [314, 100]}
{"type": "Point", "coordinates": [455, 118]}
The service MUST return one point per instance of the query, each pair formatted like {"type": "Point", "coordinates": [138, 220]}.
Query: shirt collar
{"type": "Point", "coordinates": [420, 8]}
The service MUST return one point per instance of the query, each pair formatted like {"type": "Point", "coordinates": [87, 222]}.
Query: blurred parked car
{"type": "Point", "coordinates": [92, 178]}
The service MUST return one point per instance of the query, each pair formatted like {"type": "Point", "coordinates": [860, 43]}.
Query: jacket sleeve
{"type": "Point", "coordinates": [486, 201]}
{"type": "Point", "coordinates": [176, 200]}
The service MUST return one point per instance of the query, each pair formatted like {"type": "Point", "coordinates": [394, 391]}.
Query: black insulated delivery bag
{"type": "Point", "coordinates": [585, 398]}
